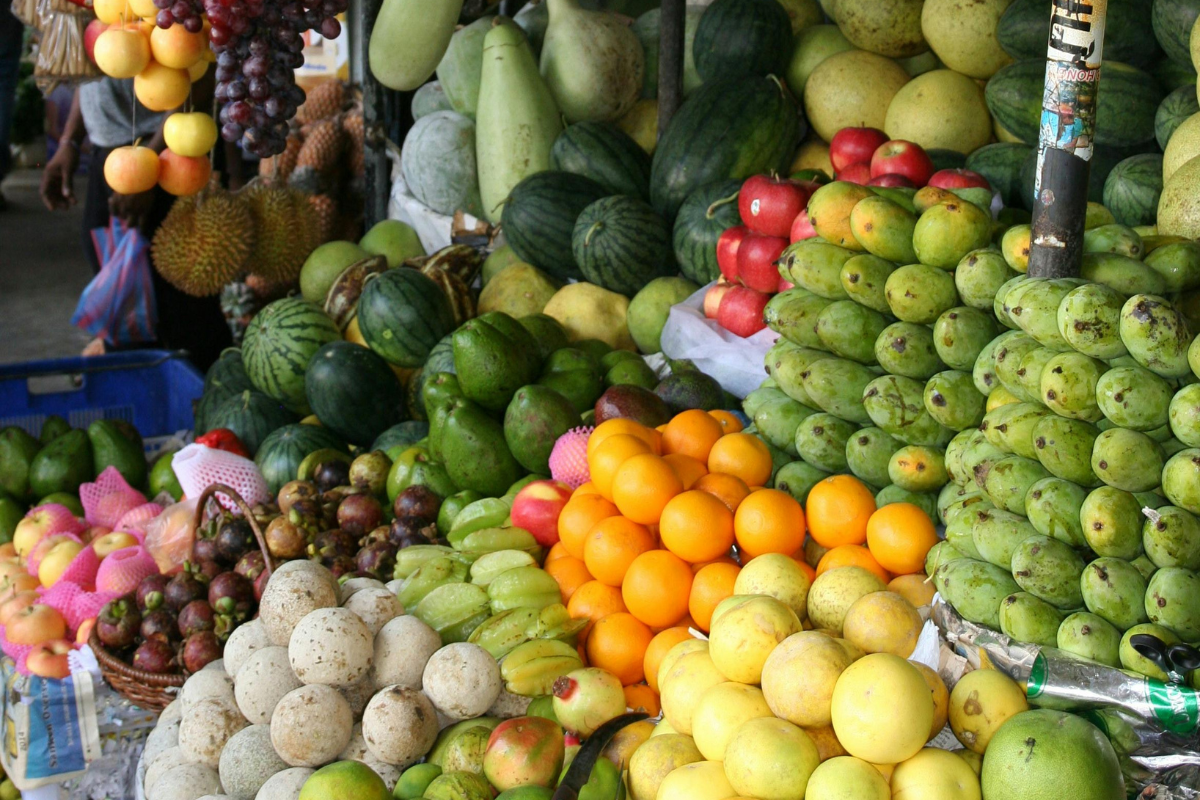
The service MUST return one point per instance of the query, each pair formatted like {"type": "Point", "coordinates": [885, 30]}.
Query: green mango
{"type": "Point", "coordinates": [1053, 507]}
{"type": "Point", "coordinates": [959, 532]}
{"type": "Point", "coordinates": [1127, 460]}
{"type": "Point", "coordinates": [983, 373]}
{"type": "Point", "coordinates": [905, 348]}
{"type": "Point", "coordinates": [1157, 335]}
{"type": "Point", "coordinates": [1112, 523]}
{"type": "Point", "coordinates": [1181, 480]}
{"type": "Point", "coordinates": [864, 277]}
{"type": "Point", "coordinates": [926, 501]}
{"type": "Point", "coordinates": [1000, 303]}
{"type": "Point", "coordinates": [759, 398]}
{"type": "Point", "coordinates": [900, 195]}
{"type": "Point", "coordinates": [793, 315]}
{"type": "Point", "coordinates": [534, 420]}
{"type": "Point", "coordinates": [849, 330]}
{"type": "Point", "coordinates": [953, 500]}
{"type": "Point", "coordinates": [798, 478]}
{"type": "Point", "coordinates": [941, 553]}
{"type": "Point", "coordinates": [945, 233]}
{"type": "Point", "coordinates": [960, 335]}
{"type": "Point", "coordinates": [1064, 446]}
{"type": "Point", "coordinates": [954, 455]}
{"type": "Point", "coordinates": [451, 732]}
{"type": "Point", "coordinates": [1178, 263]}
{"type": "Point", "coordinates": [821, 441]}
{"type": "Point", "coordinates": [631, 371]}
{"type": "Point", "coordinates": [54, 427]}
{"type": "Point", "coordinates": [63, 465]}
{"type": "Point", "coordinates": [868, 452]}
{"type": "Point", "coordinates": [1173, 601]}
{"type": "Point", "coordinates": [576, 375]}
{"type": "Point", "coordinates": [916, 468]}
{"type": "Point", "coordinates": [1010, 427]}
{"type": "Point", "coordinates": [786, 364]}
{"type": "Point", "coordinates": [920, 293]}
{"type": "Point", "coordinates": [546, 331]}
{"type": "Point", "coordinates": [476, 454]}
{"type": "Point", "coordinates": [976, 589]}
{"type": "Point", "coordinates": [1114, 238]}
{"type": "Point", "coordinates": [1090, 636]}
{"type": "Point", "coordinates": [884, 228]}
{"type": "Point", "coordinates": [112, 447]}
{"type": "Point", "coordinates": [816, 265]}
{"type": "Point", "coordinates": [1089, 320]}
{"type": "Point", "coordinates": [897, 405]}
{"type": "Point", "coordinates": [777, 423]}
{"type": "Point", "coordinates": [491, 363]}
{"type": "Point", "coordinates": [11, 512]}
{"type": "Point", "coordinates": [1049, 570]}
{"type": "Point", "coordinates": [953, 401]}
{"type": "Point", "coordinates": [1068, 386]}
{"type": "Point", "coordinates": [997, 534]}
{"type": "Point", "coordinates": [162, 477]}
{"type": "Point", "coordinates": [17, 452]}
{"type": "Point", "coordinates": [1136, 398]}
{"type": "Point", "coordinates": [1114, 590]}
{"type": "Point", "coordinates": [836, 386]}
{"type": "Point", "coordinates": [1126, 275]}
{"type": "Point", "coordinates": [452, 506]}
{"type": "Point", "coordinates": [1134, 661]}
{"type": "Point", "coordinates": [1028, 619]}
{"type": "Point", "coordinates": [979, 276]}
{"type": "Point", "coordinates": [1029, 373]}
{"type": "Point", "coordinates": [416, 466]}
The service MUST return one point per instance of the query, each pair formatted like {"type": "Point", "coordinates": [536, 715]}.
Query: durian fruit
{"type": "Point", "coordinates": [318, 156]}
{"type": "Point", "coordinates": [204, 242]}
{"type": "Point", "coordinates": [277, 169]}
{"type": "Point", "coordinates": [323, 100]}
{"type": "Point", "coordinates": [286, 228]}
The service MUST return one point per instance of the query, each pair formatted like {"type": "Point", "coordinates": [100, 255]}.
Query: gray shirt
{"type": "Point", "coordinates": [113, 116]}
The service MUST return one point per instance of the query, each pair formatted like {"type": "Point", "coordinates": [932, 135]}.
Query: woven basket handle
{"type": "Point", "coordinates": [247, 512]}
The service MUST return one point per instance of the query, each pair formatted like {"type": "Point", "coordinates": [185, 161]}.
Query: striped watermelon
{"type": "Point", "coordinates": [606, 154]}
{"type": "Point", "coordinates": [402, 435]}
{"type": "Point", "coordinates": [1172, 111]}
{"type": "Point", "coordinates": [702, 219]}
{"type": "Point", "coordinates": [1173, 21]}
{"type": "Point", "coordinates": [353, 392]}
{"type": "Point", "coordinates": [279, 343]}
{"type": "Point", "coordinates": [739, 38]}
{"type": "Point", "coordinates": [1132, 188]}
{"type": "Point", "coordinates": [225, 378]}
{"type": "Point", "coordinates": [279, 456]}
{"type": "Point", "coordinates": [540, 215]}
{"type": "Point", "coordinates": [620, 243]}
{"type": "Point", "coordinates": [251, 416]}
{"type": "Point", "coordinates": [402, 314]}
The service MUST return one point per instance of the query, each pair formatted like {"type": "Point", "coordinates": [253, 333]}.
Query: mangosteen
{"type": "Point", "coordinates": [333, 473]}
{"type": "Point", "coordinates": [369, 472]}
{"type": "Point", "coordinates": [161, 626]}
{"type": "Point", "coordinates": [260, 585]}
{"type": "Point", "coordinates": [343, 565]}
{"type": "Point", "coordinates": [380, 534]}
{"type": "Point", "coordinates": [207, 570]}
{"type": "Point", "coordinates": [359, 513]}
{"type": "Point", "coordinates": [377, 559]}
{"type": "Point", "coordinates": [232, 594]}
{"type": "Point", "coordinates": [249, 565]}
{"type": "Point", "coordinates": [333, 543]}
{"type": "Point", "coordinates": [150, 592]}
{"type": "Point", "coordinates": [200, 650]}
{"type": "Point", "coordinates": [234, 539]}
{"type": "Point", "coordinates": [293, 491]}
{"type": "Point", "coordinates": [154, 656]}
{"type": "Point", "coordinates": [285, 539]}
{"type": "Point", "coordinates": [418, 501]}
{"type": "Point", "coordinates": [183, 589]}
{"type": "Point", "coordinates": [195, 617]}
{"type": "Point", "coordinates": [205, 550]}
{"type": "Point", "coordinates": [414, 530]}
{"type": "Point", "coordinates": [118, 623]}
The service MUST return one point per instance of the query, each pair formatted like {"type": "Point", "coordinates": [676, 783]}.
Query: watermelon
{"type": "Point", "coordinates": [1172, 21]}
{"type": "Point", "coordinates": [227, 373]}
{"type": "Point", "coordinates": [1001, 164]}
{"type": "Point", "coordinates": [620, 243]}
{"type": "Point", "coordinates": [441, 359]}
{"type": "Point", "coordinates": [402, 435]}
{"type": "Point", "coordinates": [251, 416]}
{"type": "Point", "coordinates": [1172, 111]}
{"type": "Point", "coordinates": [279, 343]}
{"type": "Point", "coordinates": [1171, 74]}
{"type": "Point", "coordinates": [1024, 30]}
{"type": "Point", "coordinates": [729, 128]}
{"type": "Point", "coordinates": [540, 215]}
{"type": "Point", "coordinates": [402, 314]}
{"type": "Point", "coordinates": [438, 161]}
{"type": "Point", "coordinates": [1125, 110]}
{"type": "Point", "coordinates": [742, 38]}
{"type": "Point", "coordinates": [353, 392]}
{"type": "Point", "coordinates": [1132, 188]}
{"type": "Point", "coordinates": [606, 154]}
{"type": "Point", "coordinates": [279, 456]}
{"type": "Point", "coordinates": [702, 219]}
{"type": "Point", "coordinates": [946, 159]}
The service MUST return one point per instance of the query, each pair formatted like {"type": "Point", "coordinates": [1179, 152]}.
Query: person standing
{"type": "Point", "coordinates": [12, 32]}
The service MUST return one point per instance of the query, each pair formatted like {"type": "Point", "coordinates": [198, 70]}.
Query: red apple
{"type": "Point", "coordinates": [899, 157]}
{"type": "Point", "coordinates": [15, 603]}
{"type": "Point", "coordinates": [727, 249]}
{"type": "Point", "coordinates": [853, 146]}
{"type": "Point", "coordinates": [712, 298]}
{"type": "Point", "coordinates": [536, 509]}
{"type": "Point", "coordinates": [741, 311]}
{"type": "Point", "coordinates": [526, 751]}
{"type": "Point", "coordinates": [859, 173]}
{"type": "Point", "coordinates": [90, 34]}
{"type": "Point", "coordinates": [893, 180]}
{"type": "Point", "coordinates": [784, 285]}
{"type": "Point", "coordinates": [756, 261]}
{"type": "Point", "coordinates": [958, 179]}
{"type": "Point", "coordinates": [768, 204]}
{"type": "Point", "coordinates": [49, 659]}
{"type": "Point", "coordinates": [802, 228]}
{"type": "Point", "coordinates": [35, 624]}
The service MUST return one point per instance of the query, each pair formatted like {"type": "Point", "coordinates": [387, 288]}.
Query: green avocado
{"type": "Point", "coordinates": [54, 427]}
{"type": "Point", "coordinates": [475, 452]}
{"type": "Point", "coordinates": [118, 444]}
{"type": "Point", "coordinates": [62, 465]}
{"type": "Point", "coordinates": [17, 452]}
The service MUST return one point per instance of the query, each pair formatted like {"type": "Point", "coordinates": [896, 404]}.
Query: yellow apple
{"type": "Point", "coordinates": [190, 134]}
{"type": "Point", "coordinates": [130, 170]}
{"type": "Point", "coordinates": [144, 8]}
{"type": "Point", "coordinates": [176, 48]}
{"type": "Point", "coordinates": [30, 530]}
{"type": "Point", "coordinates": [121, 53]}
{"type": "Point", "coordinates": [110, 11]}
{"type": "Point", "coordinates": [161, 88]}
{"type": "Point", "coordinates": [55, 563]}
{"type": "Point", "coordinates": [112, 542]}
{"type": "Point", "coordinates": [196, 71]}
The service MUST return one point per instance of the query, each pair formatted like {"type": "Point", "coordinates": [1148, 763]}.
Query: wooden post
{"type": "Point", "coordinates": [1068, 132]}
{"type": "Point", "coordinates": [670, 61]}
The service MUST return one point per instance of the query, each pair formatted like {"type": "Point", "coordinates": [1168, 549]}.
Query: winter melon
{"type": "Point", "coordinates": [438, 161]}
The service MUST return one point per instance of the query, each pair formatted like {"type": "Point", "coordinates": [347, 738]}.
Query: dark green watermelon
{"type": "Point", "coordinates": [606, 154]}
{"type": "Point", "coordinates": [1172, 111]}
{"type": "Point", "coordinates": [1172, 74]}
{"type": "Point", "coordinates": [402, 314]}
{"type": "Point", "coordinates": [252, 416]}
{"type": "Point", "coordinates": [353, 392]}
{"type": "Point", "coordinates": [620, 243]}
{"type": "Point", "coordinates": [1132, 189]}
{"type": "Point", "coordinates": [540, 215]}
{"type": "Point", "coordinates": [403, 435]}
{"type": "Point", "coordinates": [702, 218]}
{"type": "Point", "coordinates": [1173, 21]}
{"type": "Point", "coordinates": [1024, 30]}
{"type": "Point", "coordinates": [1001, 164]}
{"type": "Point", "coordinates": [742, 38]}
{"type": "Point", "coordinates": [946, 159]}
{"type": "Point", "coordinates": [279, 342]}
{"type": "Point", "coordinates": [279, 456]}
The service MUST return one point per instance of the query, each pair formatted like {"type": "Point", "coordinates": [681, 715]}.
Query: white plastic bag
{"type": "Point", "coordinates": [736, 363]}
{"type": "Point", "coordinates": [433, 229]}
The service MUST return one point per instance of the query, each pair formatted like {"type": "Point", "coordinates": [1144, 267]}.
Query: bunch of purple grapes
{"type": "Point", "coordinates": [183, 12]}
{"type": "Point", "coordinates": [258, 45]}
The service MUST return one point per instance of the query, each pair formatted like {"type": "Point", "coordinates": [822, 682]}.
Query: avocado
{"type": "Point", "coordinates": [546, 331]}
{"type": "Point", "coordinates": [54, 427]}
{"type": "Point", "coordinates": [62, 465]}
{"type": "Point", "coordinates": [534, 420]}
{"type": "Point", "coordinates": [11, 512]}
{"type": "Point", "coordinates": [476, 454]}
{"type": "Point", "coordinates": [575, 375]}
{"type": "Point", "coordinates": [492, 364]}
{"type": "Point", "coordinates": [68, 499]}
{"type": "Point", "coordinates": [114, 445]}
{"type": "Point", "coordinates": [631, 371]}
{"type": "Point", "coordinates": [634, 402]}
{"type": "Point", "coordinates": [692, 389]}
{"type": "Point", "coordinates": [17, 452]}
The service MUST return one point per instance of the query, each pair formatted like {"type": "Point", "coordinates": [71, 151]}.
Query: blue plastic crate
{"type": "Point", "coordinates": [153, 389]}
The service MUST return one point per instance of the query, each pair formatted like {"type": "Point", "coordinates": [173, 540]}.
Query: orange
{"type": "Point", "coordinates": [838, 508]}
{"type": "Point", "coordinates": [618, 644]}
{"type": "Point", "coordinates": [852, 555]}
{"type": "Point", "coordinates": [730, 489]}
{"type": "Point", "coordinates": [612, 546]}
{"type": "Point", "coordinates": [643, 486]}
{"type": "Point", "coordinates": [900, 535]}
{"type": "Point", "coordinates": [605, 460]}
{"type": "Point", "coordinates": [743, 455]}
{"type": "Point", "coordinates": [656, 588]}
{"type": "Point", "coordinates": [570, 573]}
{"type": "Point", "coordinates": [808, 570]}
{"type": "Point", "coordinates": [711, 585]}
{"type": "Point", "coordinates": [686, 468]}
{"type": "Point", "coordinates": [722, 560]}
{"type": "Point", "coordinates": [556, 552]}
{"type": "Point", "coordinates": [729, 421]}
{"type": "Point", "coordinates": [662, 642]}
{"type": "Point", "coordinates": [768, 521]}
{"type": "Point", "coordinates": [641, 697]}
{"type": "Point", "coordinates": [594, 601]}
{"type": "Point", "coordinates": [685, 621]}
{"type": "Point", "coordinates": [578, 517]}
{"type": "Point", "coordinates": [692, 433]}
{"type": "Point", "coordinates": [696, 526]}
{"type": "Point", "coordinates": [587, 488]}
{"type": "Point", "coordinates": [914, 587]}
{"type": "Point", "coordinates": [622, 425]}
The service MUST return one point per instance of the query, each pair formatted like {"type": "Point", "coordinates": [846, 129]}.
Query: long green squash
{"type": "Point", "coordinates": [517, 119]}
{"type": "Point", "coordinates": [409, 39]}
{"type": "Point", "coordinates": [459, 70]}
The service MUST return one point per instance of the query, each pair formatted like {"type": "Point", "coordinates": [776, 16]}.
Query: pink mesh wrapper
{"type": "Point", "coordinates": [197, 467]}
{"type": "Point", "coordinates": [82, 569]}
{"type": "Point", "coordinates": [134, 520]}
{"type": "Point", "coordinates": [17, 652]}
{"type": "Point", "coordinates": [38, 553]}
{"type": "Point", "coordinates": [75, 604]}
{"type": "Point", "coordinates": [568, 459]}
{"type": "Point", "coordinates": [124, 569]}
{"type": "Point", "coordinates": [59, 519]}
{"type": "Point", "coordinates": [107, 499]}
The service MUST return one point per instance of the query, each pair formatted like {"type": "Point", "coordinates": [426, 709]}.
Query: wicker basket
{"type": "Point", "coordinates": [151, 690]}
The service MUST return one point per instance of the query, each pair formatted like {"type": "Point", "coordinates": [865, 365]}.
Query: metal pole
{"type": "Point", "coordinates": [1068, 132]}
{"type": "Point", "coordinates": [670, 61]}
{"type": "Point", "coordinates": [378, 124]}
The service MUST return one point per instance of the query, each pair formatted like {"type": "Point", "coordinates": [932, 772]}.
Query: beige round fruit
{"type": "Point", "coordinates": [934, 774]}
{"type": "Point", "coordinates": [890, 28]}
{"type": "Point", "coordinates": [311, 725]}
{"type": "Point", "coordinates": [161, 88]}
{"type": "Point", "coordinates": [813, 46]}
{"type": "Point", "coordinates": [916, 589]}
{"type": "Point", "coordinates": [942, 110]}
{"type": "Point", "coordinates": [690, 677]}
{"type": "Point", "coordinates": [190, 133]}
{"type": "Point", "coordinates": [742, 638]}
{"type": "Point", "coordinates": [834, 591]}
{"type": "Point", "coordinates": [813, 154]}
{"type": "Point", "coordinates": [778, 576]}
{"type": "Point", "coordinates": [980, 703]}
{"type": "Point", "coordinates": [1183, 146]}
{"type": "Point", "coordinates": [1179, 205]}
{"type": "Point", "coordinates": [658, 758]}
{"type": "Point", "coordinates": [121, 53]}
{"type": "Point", "coordinates": [883, 622]}
{"type": "Point", "coordinates": [703, 780]}
{"type": "Point", "coordinates": [854, 651]}
{"type": "Point", "coordinates": [852, 89]}
{"type": "Point", "coordinates": [799, 677]}
{"type": "Point", "coordinates": [331, 646]}
{"type": "Point", "coordinates": [587, 311]}
{"type": "Point", "coordinates": [940, 695]}
{"type": "Point", "coordinates": [757, 750]}
{"type": "Point", "coordinates": [973, 759]}
{"type": "Point", "coordinates": [677, 652]}
{"type": "Point", "coordinates": [847, 778]}
{"type": "Point", "coordinates": [881, 710]}
{"type": "Point", "coordinates": [826, 741]}
{"type": "Point", "coordinates": [721, 711]}
{"type": "Point", "coordinates": [963, 35]}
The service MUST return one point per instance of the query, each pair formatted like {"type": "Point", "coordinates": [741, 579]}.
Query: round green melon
{"type": "Point", "coordinates": [1043, 754]}
{"type": "Point", "coordinates": [279, 456]}
{"type": "Point", "coordinates": [430, 98]}
{"type": "Point", "coordinates": [1177, 106]}
{"type": "Point", "coordinates": [279, 343]}
{"type": "Point", "coordinates": [438, 161]}
{"type": "Point", "coordinates": [402, 314]}
{"type": "Point", "coordinates": [621, 244]}
{"type": "Point", "coordinates": [1132, 189]}
{"type": "Point", "coordinates": [649, 309]}
{"type": "Point", "coordinates": [702, 218]}
{"type": "Point", "coordinates": [251, 416]}
{"type": "Point", "coordinates": [353, 392]}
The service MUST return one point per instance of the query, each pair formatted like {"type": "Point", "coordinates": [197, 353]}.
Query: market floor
{"type": "Point", "coordinates": [42, 272]}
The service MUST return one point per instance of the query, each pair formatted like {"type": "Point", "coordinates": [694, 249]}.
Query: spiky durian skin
{"type": "Point", "coordinates": [286, 231]}
{"type": "Point", "coordinates": [204, 242]}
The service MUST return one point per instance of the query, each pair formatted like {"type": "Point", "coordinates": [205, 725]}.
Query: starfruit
{"type": "Point", "coordinates": [429, 576]}
{"type": "Point", "coordinates": [505, 631]}
{"type": "Point", "coordinates": [532, 668]}
{"type": "Point", "coordinates": [490, 512]}
{"type": "Point", "coordinates": [454, 610]}
{"type": "Point", "coordinates": [409, 559]}
{"type": "Point", "coordinates": [490, 565]}
{"type": "Point", "coordinates": [489, 540]}
{"type": "Point", "coordinates": [555, 622]}
{"type": "Point", "coordinates": [523, 587]}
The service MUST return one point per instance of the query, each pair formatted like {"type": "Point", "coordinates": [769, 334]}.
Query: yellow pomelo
{"type": "Point", "coordinates": [834, 591]}
{"type": "Point", "coordinates": [881, 710]}
{"type": "Point", "coordinates": [826, 741]}
{"type": "Point", "coordinates": [934, 774]}
{"type": "Point", "coordinates": [677, 652]}
{"type": "Point", "coordinates": [981, 702]}
{"type": "Point", "coordinates": [1179, 205]}
{"type": "Point", "coordinates": [883, 622]}
{"type": "Point", "coordinates": [587, 311]}
{"type": "Point", "coordinates": [518, 290]}
{"type": "Point", "coordinates": [682, 687]}
{"type": "Point", "coordinates": [847, 778]}
{"type": "Point", "coordinates": [656, 759]}
{"type": "Point", "coordinates": [964, 35]}
{"type": "Point", "coordinates": [813, 154]}
{"type": "Point", "coordinates": [1183, 146]}
{"type": "Point", "coordinates": [778, 576]}
{"type": "Point", "coordinates": [663, 728]}
{"type": "Point", "coordinates": [758, 750]}
{"type": "Point", "coordinates": [813, 46]}
{"type": "Point", "coordinates": [742, 638]}
{"type": "Point", "coordinates": [704, 780]}
{"type": "Point", "coordinates": [940, 695]}
{"type": "Point", "coordinates": [889, 27]}
{"type": "Point", "coordinates": [852, 89]}
{"type": "Point", "coordinates": [721, 711]}
{"type": "Point", "coordinates": [799, 677]}
{"type": "Point", "coordinates": [942, 110]}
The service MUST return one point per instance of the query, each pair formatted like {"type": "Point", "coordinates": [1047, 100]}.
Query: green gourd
{"type": "Point", "coordinates": [592, 62]}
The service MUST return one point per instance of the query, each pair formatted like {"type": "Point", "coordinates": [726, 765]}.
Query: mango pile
{"type": "Point", "coordinates": [1052, 425]}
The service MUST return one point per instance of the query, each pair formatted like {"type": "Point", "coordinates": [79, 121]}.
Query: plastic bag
{"type": "Point", "coordinates": [197, 467]}
{"type": "Point", "coordinates": [118, 304]}
{"type": "Point", "coordinates": [61, 55]}
{"type": "Point", "coordinates": [736, 363]}
{"type": "Point", "coordinates": [170, 535]}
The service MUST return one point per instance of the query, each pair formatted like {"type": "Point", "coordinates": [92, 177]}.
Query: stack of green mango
{"type": "Point", "coordinates": [1052, 425]}
{"type": "Point", "coordinates": [51, 468]}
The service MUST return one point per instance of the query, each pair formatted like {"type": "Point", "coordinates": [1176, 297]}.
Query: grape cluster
{"type": "Point", "coordinates": [183, 12]}
{"type": "Point", "coordinates": [258, 45]}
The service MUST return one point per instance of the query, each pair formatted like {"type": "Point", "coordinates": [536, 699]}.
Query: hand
{"type": "Point", "coordinates": [131, 208]}
{"type": "Point", "coordinates": [57, 188]}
